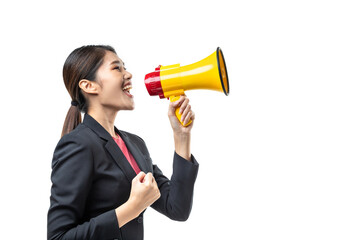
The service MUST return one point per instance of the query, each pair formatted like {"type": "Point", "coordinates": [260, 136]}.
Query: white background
{"type": "Point", "coordinates": [279, 157]}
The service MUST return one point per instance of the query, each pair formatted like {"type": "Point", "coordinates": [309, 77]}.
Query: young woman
{"type": "Point", "coordinates": [103, 179]}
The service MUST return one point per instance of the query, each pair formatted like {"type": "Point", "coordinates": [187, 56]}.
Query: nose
{"type": "Point", "coordinates": [127, 75]}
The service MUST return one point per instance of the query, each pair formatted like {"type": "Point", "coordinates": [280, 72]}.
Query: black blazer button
{"type": "Point", "coordinates": [140, 220]}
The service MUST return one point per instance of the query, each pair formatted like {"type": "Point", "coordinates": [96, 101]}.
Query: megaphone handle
{"type": "Point", "coordinates": [177, 111]}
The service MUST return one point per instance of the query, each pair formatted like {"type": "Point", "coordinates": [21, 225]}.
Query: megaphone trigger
{"type": "Point", "coordinates": [177, 111]}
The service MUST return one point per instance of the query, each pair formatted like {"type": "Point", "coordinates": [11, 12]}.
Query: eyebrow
{"type": "Point", "coordinates": [117, 62]}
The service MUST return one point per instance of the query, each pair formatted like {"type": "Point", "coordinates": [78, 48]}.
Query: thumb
{"type": "Point", "coordinates": [176, 104]}
{"type": "Point", "coordinates": [149, 177]}
{"type": "Point", "coordinates": [140, 177]}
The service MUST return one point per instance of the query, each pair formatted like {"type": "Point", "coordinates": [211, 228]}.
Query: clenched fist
{"type": "Point", "coordinates": [144, 191]}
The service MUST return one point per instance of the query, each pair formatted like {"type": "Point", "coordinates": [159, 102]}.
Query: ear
{"type": "Point", "coordinates": [90, 87]}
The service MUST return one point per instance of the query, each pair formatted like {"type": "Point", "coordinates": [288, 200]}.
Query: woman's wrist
{"type": "Point", "coordinates": [182, 135]}
{"type": "Point", "coordinates": [182, 145]}
{"type": "Point", "coordinates": [126, 212]}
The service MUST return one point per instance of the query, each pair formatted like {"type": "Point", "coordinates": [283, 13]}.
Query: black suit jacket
{"type": "Point", "coordinates": [91, 177]}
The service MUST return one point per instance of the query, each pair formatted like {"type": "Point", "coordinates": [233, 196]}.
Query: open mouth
{"type": "Point", "coordinates": [126, 90]}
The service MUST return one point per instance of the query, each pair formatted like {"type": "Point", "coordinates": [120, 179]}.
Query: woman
{"type": "Point", "coordinates": [103, 179]}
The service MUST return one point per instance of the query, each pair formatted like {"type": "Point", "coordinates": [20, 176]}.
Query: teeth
{"type": "Point", "coordinates": [128, 87]}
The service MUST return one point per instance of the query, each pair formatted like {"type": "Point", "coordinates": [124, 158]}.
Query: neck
{"type": "Point", "coordinates": [105, 117]}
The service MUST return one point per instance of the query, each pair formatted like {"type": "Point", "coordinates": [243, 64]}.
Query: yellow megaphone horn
{"type": "Point", "coordinates": [173, 80]}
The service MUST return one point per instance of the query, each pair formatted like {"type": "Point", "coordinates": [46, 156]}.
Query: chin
{"type": "Point", "coordinates": [126, 106]}
{"type": "Point", "coordinates": [129, 108]}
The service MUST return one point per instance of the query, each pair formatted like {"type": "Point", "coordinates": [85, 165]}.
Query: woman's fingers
{"type": "Point", "coordinates": [144, 191]}
{"type": "Point", "coordinates": [184, 105]}
{"type": "Point", "coordinates": [149, 178]}
{"type": "Point", "coordinates": [150, 182]}
{"type": "Point", "coordinates": [176, 104]}
{"type": "Point", "coordinates": [189, 115]}
{"type": "Point", "coordinates": [185, 112]}
{"type": "Point", "coordinates": [140, 177]}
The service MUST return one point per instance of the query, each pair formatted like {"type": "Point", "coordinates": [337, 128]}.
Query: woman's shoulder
{"type": "Point", "coordinates": [81, 135]}
{"type": "Point", "coordinates": [76, 146]}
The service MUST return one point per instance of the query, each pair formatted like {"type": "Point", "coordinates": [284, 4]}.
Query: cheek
{"type": "Point", "coordinates": [115, 92]}
{"type": "Point", "coordinates": [111, 88]}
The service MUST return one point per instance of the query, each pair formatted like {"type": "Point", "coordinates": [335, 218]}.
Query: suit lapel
{"type": "Point", "coordinates": [135, 151]}
{"type": "Point", "coordinates": [111, 147]}
{"type": "Point", "coordinates": [120, 159]}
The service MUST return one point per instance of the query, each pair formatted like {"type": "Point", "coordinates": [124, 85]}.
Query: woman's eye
{"type": "Point", "coordinates": [119, 69]}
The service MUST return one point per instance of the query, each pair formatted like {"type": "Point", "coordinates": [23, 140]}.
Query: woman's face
{"type": "Point", "coordinates": [115, 84]}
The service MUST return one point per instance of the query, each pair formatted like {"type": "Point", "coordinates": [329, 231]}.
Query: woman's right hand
{"type": "Point", "coordinates": [144, 191]}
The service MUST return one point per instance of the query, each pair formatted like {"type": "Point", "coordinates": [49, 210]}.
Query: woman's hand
{"type": "Point", "coordinates": [186, 115]}
{"type": "Point", "coordinates": [144, 191]}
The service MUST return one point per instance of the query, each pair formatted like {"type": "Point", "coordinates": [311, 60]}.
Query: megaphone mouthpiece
{"type": "Point", "coordinates": [153, 83]}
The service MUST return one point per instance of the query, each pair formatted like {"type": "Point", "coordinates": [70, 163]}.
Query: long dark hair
{"type": "Point", "coordinates": [82, 63]}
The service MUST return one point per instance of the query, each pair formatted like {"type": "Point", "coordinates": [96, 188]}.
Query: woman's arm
{"type": "Point", "coordinates": [182, 135]}
{"type": "Point", "coordinates": [72, 173]}
{"type": "Point", "coordinates": [177, 193]}
{"type": "Point", "coordinates": [182, 145]}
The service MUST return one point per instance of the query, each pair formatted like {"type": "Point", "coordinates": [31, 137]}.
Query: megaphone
{"type": "Point", "coordinates": [172, 81]}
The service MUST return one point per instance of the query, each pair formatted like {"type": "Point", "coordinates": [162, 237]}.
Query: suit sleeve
{"type": "Point", "coordinates": [72, 172]}
{"type": "Point", "coordinates": [176, 194]}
